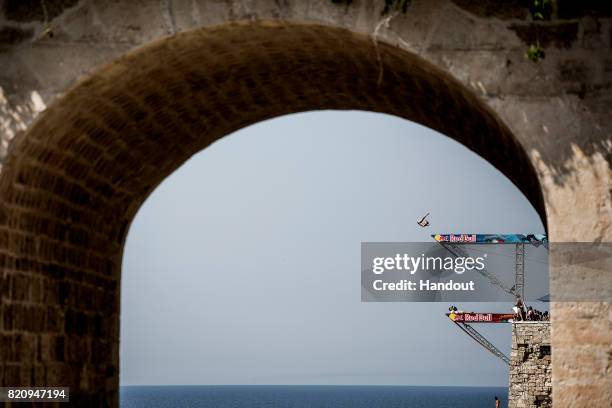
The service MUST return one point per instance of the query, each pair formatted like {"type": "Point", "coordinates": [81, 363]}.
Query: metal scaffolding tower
{"type": "Point", "coordinates": [518, 289]}
{"type": "Point", "coordinates": [519, 270]}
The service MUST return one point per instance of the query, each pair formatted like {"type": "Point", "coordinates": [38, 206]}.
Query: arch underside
{"type": "Point", "coordinates": [72, 184]}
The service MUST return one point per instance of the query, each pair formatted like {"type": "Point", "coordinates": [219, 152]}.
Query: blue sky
{"type": "Point", "coordinates": [243, 267]}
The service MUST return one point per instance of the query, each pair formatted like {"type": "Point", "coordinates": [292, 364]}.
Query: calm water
{"type": "Point", "coordinates": [273, 396]}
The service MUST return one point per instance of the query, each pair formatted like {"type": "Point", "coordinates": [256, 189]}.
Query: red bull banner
{"type": "Point", "coordinates": [535, 239]}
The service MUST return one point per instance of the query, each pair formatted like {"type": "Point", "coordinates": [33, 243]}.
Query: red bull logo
{"type": "Point", "coordinates": [478, 317]}
{"type": "Point", "coordinates": [461, 317]}
{"type": "Point", "coordinates": [456, 238]}
{"type": "Point", "coordinates": [471, 317]}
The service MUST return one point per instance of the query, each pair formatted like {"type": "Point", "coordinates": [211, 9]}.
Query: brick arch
{"type": "Point", "coordinates": [73, 182]}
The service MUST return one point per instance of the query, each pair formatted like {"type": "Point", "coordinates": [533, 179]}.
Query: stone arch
{"type": "Point", "coordinates": [72, 183]}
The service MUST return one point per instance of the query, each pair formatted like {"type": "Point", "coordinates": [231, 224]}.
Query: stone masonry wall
{"type": "Point", "coordinates": [530, 366]}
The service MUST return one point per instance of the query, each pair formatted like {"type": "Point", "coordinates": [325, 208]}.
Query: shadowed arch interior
{"type": "Point", "coordinates": [72, 184]}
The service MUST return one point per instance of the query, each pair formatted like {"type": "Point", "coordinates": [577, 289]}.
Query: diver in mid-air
{"type": "Point", "coordinates": [423, 222]}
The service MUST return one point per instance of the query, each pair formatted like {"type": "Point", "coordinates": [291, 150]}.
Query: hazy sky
{"type": "Point", "coordinates": [243, 267]}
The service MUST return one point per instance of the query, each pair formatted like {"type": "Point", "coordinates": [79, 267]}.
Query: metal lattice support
{"type": "Point", "coordinates": [493, 279]}
{"type": "Point", "coordinates": [479, 338]}
{"type": "Point", "coordinates": [519, 277]}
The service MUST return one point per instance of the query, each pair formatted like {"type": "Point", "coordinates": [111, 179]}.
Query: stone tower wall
{"type": "Point", "coordinates": [530, 366]}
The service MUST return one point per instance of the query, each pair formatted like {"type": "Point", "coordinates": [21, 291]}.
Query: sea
{"type": "Point", "coordinates": [310, 396]}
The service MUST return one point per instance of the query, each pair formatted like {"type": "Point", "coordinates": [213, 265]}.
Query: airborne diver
{"type": "Point", "coordinates": [423, 222]}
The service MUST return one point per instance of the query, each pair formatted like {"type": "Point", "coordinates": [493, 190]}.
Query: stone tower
{"type": "Point", "coordinates": [530, 366]}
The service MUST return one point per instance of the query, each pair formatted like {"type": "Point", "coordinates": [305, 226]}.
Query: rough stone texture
{"type": "Point", "coordinates": [196, 70]}
{"type": "Point", "coordinates": [530, 383]}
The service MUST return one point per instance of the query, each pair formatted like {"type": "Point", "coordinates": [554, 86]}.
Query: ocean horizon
{"type": "Point", "coordinates": [309, 396]}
